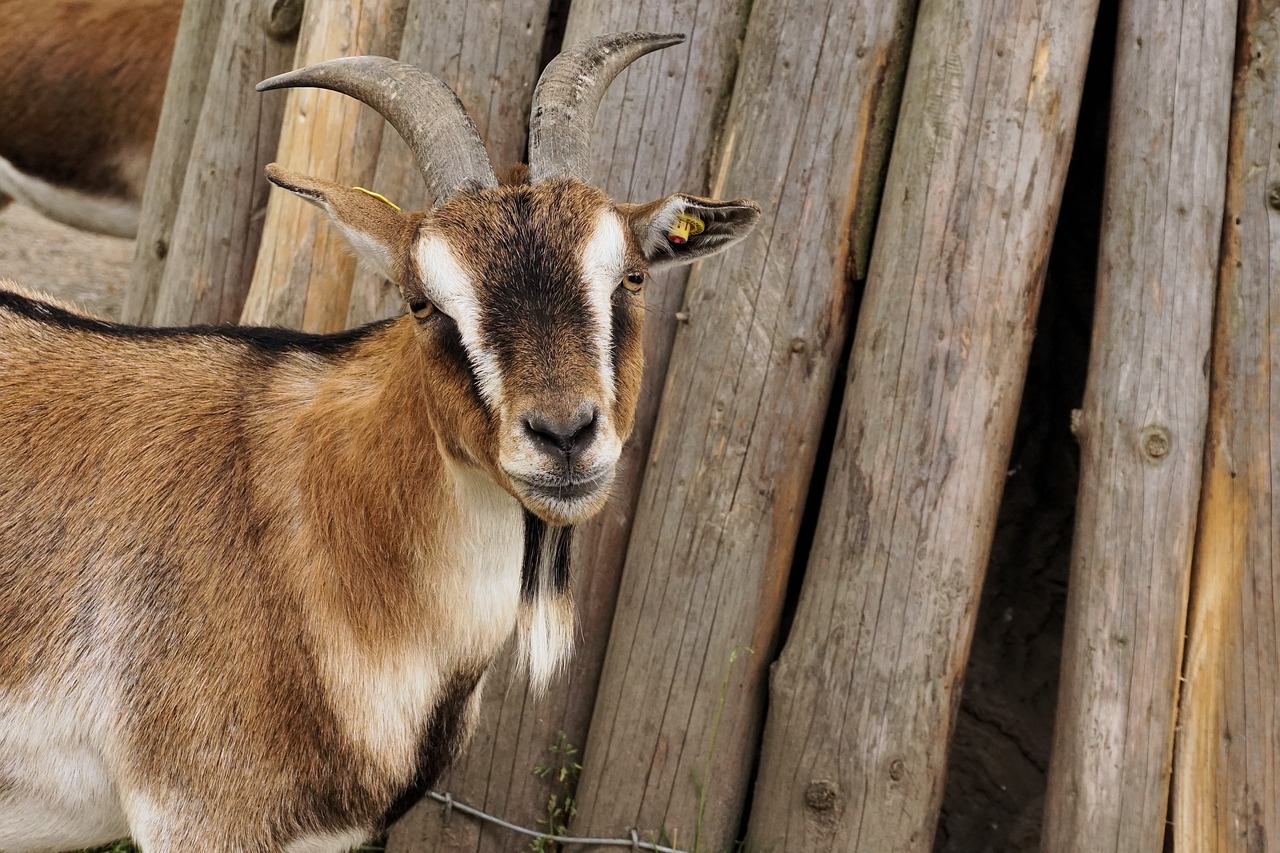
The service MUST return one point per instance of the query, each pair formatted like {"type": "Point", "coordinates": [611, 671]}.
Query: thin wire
{"type": "Point", "coordinates": [633, 842]}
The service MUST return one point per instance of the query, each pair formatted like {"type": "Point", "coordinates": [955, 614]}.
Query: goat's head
{"type": "Point", "coordinates": [528, 296]}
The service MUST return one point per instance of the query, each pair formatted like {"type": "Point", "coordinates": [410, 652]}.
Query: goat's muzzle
{"type": "Point", "coordinates": [563, 464]}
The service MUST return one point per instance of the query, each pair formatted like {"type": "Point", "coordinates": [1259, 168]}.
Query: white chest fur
{"type": "Point", "coordinates": [469, 594]}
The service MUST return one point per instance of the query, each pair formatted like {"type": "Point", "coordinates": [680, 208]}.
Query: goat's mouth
{"type": "Point", "coordinates": [563, 500]}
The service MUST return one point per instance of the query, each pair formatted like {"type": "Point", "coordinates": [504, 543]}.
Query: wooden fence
{"type": "Point", "coordinates": [778, 605]}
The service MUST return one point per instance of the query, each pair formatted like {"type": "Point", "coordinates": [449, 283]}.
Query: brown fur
{"type": "Point", "coordinates": [81, 85]}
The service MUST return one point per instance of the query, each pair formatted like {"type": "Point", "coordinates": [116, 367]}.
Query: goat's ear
{"type": "Point", "coordinates": [680, 229]}
{"type": "Point", "coordinates": [380, 234]}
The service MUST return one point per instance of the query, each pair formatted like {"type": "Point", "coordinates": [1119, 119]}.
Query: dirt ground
{"type": "Point", "coordinates": [89, 270]}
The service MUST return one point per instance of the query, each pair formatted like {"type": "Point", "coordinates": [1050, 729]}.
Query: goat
{"type": "Point", "coordinates": [81, 84]}
{"type": "Point", "coordinates": [251, 580]}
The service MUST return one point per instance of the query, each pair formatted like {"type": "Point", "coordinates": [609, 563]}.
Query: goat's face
{"type": "Point", "coordinates": [528, 296]}
{"type": "Point", "coordinates": [540, 286]}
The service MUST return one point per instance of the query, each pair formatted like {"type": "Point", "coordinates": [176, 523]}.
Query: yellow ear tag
{"type": "Point", "coordinates": [686, 225]}
{"type": "Point", "coordinates": [379, 196]}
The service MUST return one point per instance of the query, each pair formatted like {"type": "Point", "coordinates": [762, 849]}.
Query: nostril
{"type": "Point", "coordinates": [584, 428]}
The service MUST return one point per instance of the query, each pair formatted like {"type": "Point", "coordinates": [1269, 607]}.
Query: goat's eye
{"type": "Point", "coordinates": [421, 308]}
{"type": "Point", "coordinates": [633, 281]}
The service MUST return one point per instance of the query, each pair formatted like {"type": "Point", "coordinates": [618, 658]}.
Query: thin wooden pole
{"type": "Point", "coordinates": [680, 703]}
{"type": "Point", "coordinates": [218, 222]}
{"type": "Point", "coordinates": [864, 695]}
{"type": "Point", "coordinates": [1142, 428]}
{"type": "Point", "coordinates": [1227, 754]}
{"type": "Point", "coordinates": [179, 118]}
{"type": "Point", "coordinates": [304, 270]}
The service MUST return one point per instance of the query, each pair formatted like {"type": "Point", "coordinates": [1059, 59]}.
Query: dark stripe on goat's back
{"type": "Point", "coordinates": [442, 740]}
{"type": "Point", "coordinates": [269, 340]}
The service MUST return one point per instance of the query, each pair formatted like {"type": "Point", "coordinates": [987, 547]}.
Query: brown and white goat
{"type": "Point", "coordinates": [251, 580]}
{"type": "Point", "coordinates": [81, 84]}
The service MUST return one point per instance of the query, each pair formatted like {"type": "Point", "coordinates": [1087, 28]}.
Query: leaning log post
{"type": "Point", "coordinates": [863, 698]}
{"type": "Point", "coordinates": [680, 702]}
{"type": "Point", "coordinates": [653, 136]}
{"type": "Point", "coordinates": [494, 78]}
{"type": "Point", "coordinates": [205, 191]}
{"type": "Point", "coordinates": [304, 270]}
{"type": "Point", "coordinates": [179, 117]}
{"type": "Point", "coordinates": [1227, 757]}
{"type": "Point", "coordinates": [1142, 428]}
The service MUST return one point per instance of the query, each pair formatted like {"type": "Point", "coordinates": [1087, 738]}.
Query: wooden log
{"type": "Point", "coordinates": [494, 79]}
{"type": "Point", "coordinates": [493, 76]}
{"type": "Point", "coordinates": [654, 135]}
{"type": "Point", "coordinates": [1226, 783]}
{"type": "Point", "coordinates": [679, 707]}
{"type": "Point", "coordinates": [1142, 428]}
{"type": "Point", "coordinates": [863, 698]}
{"type": "Point", "coordinates": [218, 221]}
{"type": "Point", "coordinates": [305, 269]}
{"type": "Point", "coordinates": [179, 118]}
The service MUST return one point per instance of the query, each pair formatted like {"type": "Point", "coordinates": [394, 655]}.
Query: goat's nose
{"type": "Point", "coordinates": [563, 438]}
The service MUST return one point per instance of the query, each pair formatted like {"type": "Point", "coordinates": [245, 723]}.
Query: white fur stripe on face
{"type": "Point", "coordinates": [453, 292]}
{"type": "Point", "coordinates": [603, 266]}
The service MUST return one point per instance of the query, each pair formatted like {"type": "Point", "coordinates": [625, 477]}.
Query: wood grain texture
{"type": "Point", "coordinates": [654, 135]}
{"type": "Point", "coordinates": [305, 269]}
{"type": "Point", "coordinates": [863, 698]}
{"type": "Point", "coordinates": [1142, 428]}
{"type": "Point", "coordinates": [217, 219]}
{"type": "Point", "coordinates": [218, 222]}
{"type": "Point", "coordinates": [678, 713]}
{"type": "Point", "coordinates": [1227, 755]}
{"type": "Point", "coordinates": [179, 118]}
{"type": "Point", "coordinates": [489, 53]}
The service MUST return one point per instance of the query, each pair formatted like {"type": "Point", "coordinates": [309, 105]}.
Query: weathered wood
{"type": "Point", "coordinates": [304, 271]}
{"type": "Point", "coordinates": [863, 698]}
{"type": "Point", "coordinates": [680, 701]}
{"type": "Point", "coordinates": [179, 118]}
{"type": "Point", "coordinates": [494, 78]}
{"type": "Point", "coordinates": [218, 222]}
{"type": "Point", "coordinates": [1227, 767]}
{"type": "Point", "coordinates": [1142, 428]}
{"type": "Point", "coordinates": [654, 135]}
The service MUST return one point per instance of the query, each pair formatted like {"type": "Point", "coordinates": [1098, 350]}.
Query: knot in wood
{"type": "Point", "coordinates": [1273, 196]}
{"type": "Point", "coordinates": [897, 769]}
{"type": "Point", "coordinates": [283, 18]}
{"type": "Point", "coordinates": [821, 795]}
{"type": "Point", "coordinates": [1156, 442]}
{"type": "Point", "coordinates": [798, 345]}
{"type": "Point", "coordinates": [162, 250]}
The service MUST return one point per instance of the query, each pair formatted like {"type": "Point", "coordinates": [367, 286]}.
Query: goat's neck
{"type": "Point", "coordinates": [399, 533]}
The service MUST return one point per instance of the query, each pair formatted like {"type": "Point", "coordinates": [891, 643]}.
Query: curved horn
{"type": "Point", "coordinates": [568, 94]}
{"type": "Point", "coordinates": [423, 110]}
